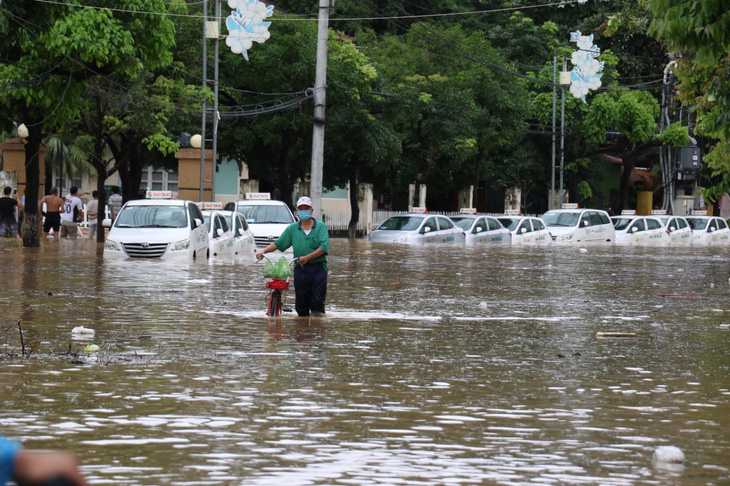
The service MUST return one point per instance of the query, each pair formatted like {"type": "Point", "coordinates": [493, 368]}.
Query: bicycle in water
{"type": "Point", "coordinates": [277, 291]}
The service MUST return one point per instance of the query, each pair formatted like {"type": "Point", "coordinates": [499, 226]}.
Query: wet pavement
{"type": "Point", "coordinates": [441, 365]}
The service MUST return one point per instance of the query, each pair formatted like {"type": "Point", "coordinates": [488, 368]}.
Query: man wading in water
{"type": "Point", "coordinates": [311, 244]}
{"type": "Point", "coordinates": [54, 207]}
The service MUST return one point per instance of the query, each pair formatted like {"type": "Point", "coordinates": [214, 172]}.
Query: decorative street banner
{"type": "Point", "coordinates": [585, 75]}
{"type": "Point", "coordinates": [246, 25]}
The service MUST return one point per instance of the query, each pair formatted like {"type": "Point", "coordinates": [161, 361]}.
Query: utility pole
{"type": "Point", "coordinates": [562, 133]}
{"type": "Point", "coordinates": [320, 86]}
{"type": "Point", "coordinates": [205, 83]}
{"type": "Point", "coordinates": [552, 176]}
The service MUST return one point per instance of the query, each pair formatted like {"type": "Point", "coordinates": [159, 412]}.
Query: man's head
{"type": "Point", "coordinates": [304, 208]}
{"type": "Point", "coordinates": [54, 191]}
{"type": "Point", "coordinates": [95, 194]}
{"type": "Point", "coordinates": [7, 190]}
{"type": "Point", "coordinates": [73, 190]}
{"type": "Point", "coordinates": [115, 189]}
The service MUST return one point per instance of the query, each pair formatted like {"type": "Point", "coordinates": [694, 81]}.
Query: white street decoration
{"type": "Point", "coordinates": [585, 76]}
{"type": "Point", "coordinates": [246, 25]}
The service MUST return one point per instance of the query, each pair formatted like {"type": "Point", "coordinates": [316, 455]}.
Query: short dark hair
{"type": "Point", "coordinates": [7, 190]}
{"type": "Point", "coordinates": [54, 190]}
{"type": "Point", "coordinates": [73, 190]}
{"type": "Point", "coordinates": [115, 189]}
{"type": "Point", "coordinates": [94, 193]}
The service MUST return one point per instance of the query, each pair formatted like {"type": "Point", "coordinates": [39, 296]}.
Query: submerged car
{"type": "Point", "coordinates": [640, 230]}
{"type": "Point", "coordinates": [418, 229]}
{"type": "Point", "coordinates": [526, 230]}
{"type": "Point", "coordinates": [582, 226]}
{"type": "Point", "coordinates": [244, 244]}
{"type": "Point", "coordinates": [482, 229]}
{"type": "Point", "coordinates": [220, 236]}
{"type": "Point", "coordinates": [158, 228]}
{"type": "Point", "coordinates": [680, 232]}
{"type": "Point", "coordinates": [267, 218]}
{"type": "Point", "coordinates": [709, 230]}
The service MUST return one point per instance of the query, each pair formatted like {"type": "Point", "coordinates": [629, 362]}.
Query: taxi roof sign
{"type": "Point", "coordinates": [570, 206]}
{"type": "Point", "coordinates": [659, 211]}
{"type": "Point", "coordinates": [420, 210]}
{"type": "Point", "coordinates": [158, 194]}
{"type": "Point", "coordinates": [258, 195]}
{"type": "Point", "coordinates": [210, 205]}
{"type": "Point", "coordinates": [699, 213]}
{"type": "Point", "coordinates": [468, 211]}
{"type": "Point", "coordinates": [512, 212]}
{"type": "Point", "coordinates": [628, 211]}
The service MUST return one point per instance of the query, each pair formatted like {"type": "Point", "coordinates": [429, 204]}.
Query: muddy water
{"type": "Point", "coordinates": [467, 365]}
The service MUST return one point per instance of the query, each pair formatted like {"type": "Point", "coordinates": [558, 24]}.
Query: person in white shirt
{"type": "Point", "coordinates": [115, 202]}
{"type": "Point", "coordinates": [73, 212]}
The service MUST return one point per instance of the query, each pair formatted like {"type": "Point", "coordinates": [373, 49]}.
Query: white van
{"type": "Point", "coordinates": [158, 228]}
{"type": "Point", "coordinates": [580, 226]}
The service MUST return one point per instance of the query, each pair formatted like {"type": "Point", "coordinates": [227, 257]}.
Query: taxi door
{"type": "Point", "coordinates": [638, 231]}
{"type": "Point", "coordinates": [429, 231]}
{"type": "Point", "coordinates": [656, 232]}
{"type": "Point", "coordinates": [481, 231]}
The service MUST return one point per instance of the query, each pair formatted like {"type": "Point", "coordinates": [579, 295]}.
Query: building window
{"type": "Point", "coordinates": [160, 180]}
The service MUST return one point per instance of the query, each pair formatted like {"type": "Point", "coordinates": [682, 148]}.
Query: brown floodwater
{"type": "Point", "coordinates": [434, 365]}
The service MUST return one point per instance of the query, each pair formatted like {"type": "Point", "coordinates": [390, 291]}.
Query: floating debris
{"type": "Point", "coordinates": [83, 331]}
{"type": "Point", "coordinates": [668, 456]}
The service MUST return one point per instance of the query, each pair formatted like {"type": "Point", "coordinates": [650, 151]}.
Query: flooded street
{"type": "Point", "coordinates": [440, 365]}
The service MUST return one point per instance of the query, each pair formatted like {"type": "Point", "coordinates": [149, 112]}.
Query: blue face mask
{"type": "Point", "coordinates": [304, 214]}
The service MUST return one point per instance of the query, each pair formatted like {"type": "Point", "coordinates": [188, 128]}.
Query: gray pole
{"type": "Point", "coordinates": [552, 176]}
{"type": "Point", "coordinates": [320, 84]}
{"type": "Point", "coordinates": [215, 101]}
{"type": "Point", "coordinates": [562, 135]}
{"type": "Point", "coordinates": [205, 82]}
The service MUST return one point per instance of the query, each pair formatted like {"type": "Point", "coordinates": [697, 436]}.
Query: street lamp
{"type": "Point", "coordinates": [22, 131]}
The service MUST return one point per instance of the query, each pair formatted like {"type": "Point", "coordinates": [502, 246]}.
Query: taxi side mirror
{"type": "Point", "coordinates": [523, 230]}
{"type": "Point", "coordinates": [197, 223]}
{"type": "Point", "coordinates": [672, 228]}
{"type": "Point", "coordinates": [712, 228]}
{"type": "Point", "coordinates": [478, 229]}
{"type": "Point", "coordinates": [634, 229]}
{"type": "Point", "coordinates": [219, 232]}
{"type": "Point", "coordinates": [426, 229]}
{"type": "Point", "coordinates": [584, 222]}
{"type": "Point", "coordinates": [106, 223]}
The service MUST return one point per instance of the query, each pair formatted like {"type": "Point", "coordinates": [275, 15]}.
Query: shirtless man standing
{"type": "Point", "coordinates": [54, 207]}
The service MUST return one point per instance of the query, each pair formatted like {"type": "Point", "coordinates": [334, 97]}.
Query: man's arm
{"type": "Point", "coordinates": [41, 467]}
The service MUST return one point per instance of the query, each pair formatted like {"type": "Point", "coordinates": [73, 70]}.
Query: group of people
{"type": "Point", "coordinates": [62, 215]}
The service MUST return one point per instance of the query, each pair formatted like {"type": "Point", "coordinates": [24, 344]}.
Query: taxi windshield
{"type": "Point", "coordinates": [509, 223]}
{"type": "Point", "coordinates": [152, 217]}
{"type": "Point", "coordinates": [401, 223]}
{"type": "Point", "coordinates": [463, 223]}
{"type": "Point", "coordinates": [698, 223]}
{"type": "Point", "coordinates": [621, 223]}
{"type": "Point", "coordinates": [266, 213]}
{"type": "Point", "coordinates": [560, 219]}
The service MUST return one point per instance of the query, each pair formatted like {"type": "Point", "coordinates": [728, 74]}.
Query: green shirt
{"type": "Point", "coordinates": [304, 244]}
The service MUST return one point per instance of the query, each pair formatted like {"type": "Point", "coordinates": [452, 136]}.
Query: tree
{"type": "Point", "coordinates": [66, 51]}
{"type": "Point", "coordinates": [699, 31]}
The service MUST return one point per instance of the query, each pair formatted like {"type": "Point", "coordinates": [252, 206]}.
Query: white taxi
{"type": "Point", "coordinates": [709, 230]}
{"type": "Point", "coordinates": [220, 236]}
{"type": "Point", "coordinates": [266, 217]}
{"type": "Point", "coordinates": [418, 228]}
{"type": "Point", "coordinates": [640, 230]}
{"type": "Point", "coordinates": [579, 226]}
{"type": "Point", "coordinates": [680, 232]}
{"type": "Point", "coordinates": [244, 243]}
{"type": "Point", "coordinates": [526, 230]}
{"type": "Point", "coordinates": [482, 229]}
{"type": "Point", "coordinates": [158, 228]}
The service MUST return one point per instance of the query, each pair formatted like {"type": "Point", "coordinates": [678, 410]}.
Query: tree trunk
{"type": "Point", "coordinates": [354, 208]}
{"type": "Point", "coordinates": [31, 233]}
{"type": "Point", "coordinates": [628, 166]}
{"type": "Point", "coordinates": [101, 213]}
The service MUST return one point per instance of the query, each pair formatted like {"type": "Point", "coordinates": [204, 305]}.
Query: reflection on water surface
{"type": "Point", "coordinates": [458, 365]}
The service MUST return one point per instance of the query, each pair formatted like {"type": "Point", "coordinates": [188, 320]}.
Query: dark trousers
{"type": "Point", "coordinates": [310, 286]}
